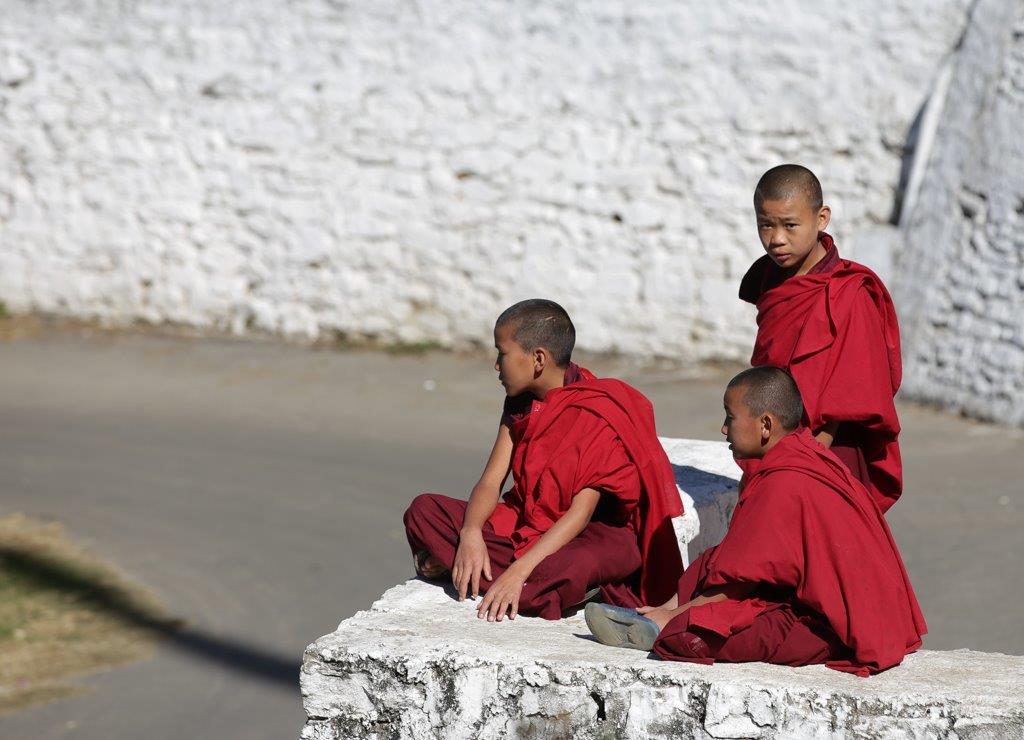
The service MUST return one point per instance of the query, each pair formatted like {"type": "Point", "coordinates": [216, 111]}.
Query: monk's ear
{"type": "Point", "coordinates": [540, 360]}
{"type": "Point", "coordinates": [824, 217]}
{"type": "Point", "coordinates": [767, 425]}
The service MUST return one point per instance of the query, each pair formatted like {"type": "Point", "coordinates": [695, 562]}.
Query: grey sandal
{"type": "Point", "coordinates": [618, 627]}
{"type": "Point", "coordinates": [589, 596]}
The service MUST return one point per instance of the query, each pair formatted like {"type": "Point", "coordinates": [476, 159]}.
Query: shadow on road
{"type": "Point", "coordinates": [252, 660]}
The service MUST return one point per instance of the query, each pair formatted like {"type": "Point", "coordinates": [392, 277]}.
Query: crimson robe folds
{"type": "Point", "coordinates": [835, 330]}
{"type": "Point", "coordinates": [813, 539]}
{"type": "Point", "coordinates": [590, 433]}
{"type": "Point", "coordinates": [564, 449]}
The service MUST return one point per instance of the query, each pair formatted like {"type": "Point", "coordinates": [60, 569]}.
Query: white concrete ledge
{"type": "Point", "coordinates": [419, 664]}
{"type": "Point", "coordinates": [708, 483]}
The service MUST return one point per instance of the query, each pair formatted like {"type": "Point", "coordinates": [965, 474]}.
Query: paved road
{"type": "Point", "coordinates": [258, 489]}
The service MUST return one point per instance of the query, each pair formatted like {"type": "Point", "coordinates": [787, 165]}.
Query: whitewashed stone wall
{"type": "Point", "coordinates": [403, 170]}
{"type": "Point", "coordinates": [960, 266]}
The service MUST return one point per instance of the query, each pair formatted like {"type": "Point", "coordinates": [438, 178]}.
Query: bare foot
{"type": "Point", "coordinates": [428, 566]}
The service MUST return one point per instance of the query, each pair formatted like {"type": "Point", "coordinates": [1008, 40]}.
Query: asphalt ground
{"type": "Point", "coordinates": [258, 489]}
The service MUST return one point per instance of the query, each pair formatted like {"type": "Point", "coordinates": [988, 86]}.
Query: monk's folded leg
{"type": "Point", "coordinates": [602, 554]}
{"type": "Point", "coordinates": [776, 636]}
{"type": "Point", "coordinates": [432, 525]}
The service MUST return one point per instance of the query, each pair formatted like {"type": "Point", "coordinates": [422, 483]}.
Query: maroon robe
{"type": "Point", "coordinates": [835, 331]}
{"type": "Point", "coordinates": [831, 585]}
{"type": "Point", "coordinates": [590, 433]}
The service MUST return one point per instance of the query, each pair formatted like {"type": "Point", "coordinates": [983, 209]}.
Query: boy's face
{"type": "Point", "coordinates": [746, 434]}
{"type": "Point", "coordinates": [789, 229]}
{"type": "Point", "coordinates": [515, 365]}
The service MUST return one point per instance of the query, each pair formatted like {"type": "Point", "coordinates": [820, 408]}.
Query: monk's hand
{"type": "Point", "coordinates": [471, 561]}
{"type": "Point", "coordinates": [672, 603]}
{"type": "Point", "coordinates": [503, 596]}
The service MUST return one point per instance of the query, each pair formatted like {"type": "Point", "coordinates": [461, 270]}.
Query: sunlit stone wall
{"type": "Point", "coordinates": [404, 170]}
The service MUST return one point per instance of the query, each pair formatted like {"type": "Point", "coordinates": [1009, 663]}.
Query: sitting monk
{"type": "Point", "coordinates": [592, 496]}
{"type": "Point", "coordinates": [807, 572]}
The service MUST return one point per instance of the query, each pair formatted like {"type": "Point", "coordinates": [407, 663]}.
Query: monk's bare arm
{"type": "Point", "coordinates": [503, 595]}
{"type": "Point", "coordinates": [471, 559]}
{"type": "Point", "coordinates": [563, 531]}
{"type": "Point", "coordinates": [827, 434]}
{"type": "Point", "coordinates": [672, 603]}
{"type": "Point", "coordinates": [735, 591]}
{"type": "Point", "coordinates": [487, 490]}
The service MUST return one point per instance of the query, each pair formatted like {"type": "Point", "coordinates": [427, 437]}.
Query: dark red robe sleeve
{"type": "Point", "coordinates": [858, 384]}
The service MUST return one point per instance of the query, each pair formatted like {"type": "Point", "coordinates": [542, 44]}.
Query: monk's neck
{"type": "Point", "coordinates": [548, 382]}
{"type": "Point", "coordinates": [774, 442]}
{"type": "Point", "coordinates": [813, 257]}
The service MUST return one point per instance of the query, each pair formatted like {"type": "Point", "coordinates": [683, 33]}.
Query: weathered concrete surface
{"type": "Point", "coordinates": [419, 664]}
{"type": "Point", "coordinates": [708, 482]}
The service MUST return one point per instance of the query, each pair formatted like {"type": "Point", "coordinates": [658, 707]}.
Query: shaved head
{"type": "Point", "coordinates": [772, 390]}
{"type": "Point", "coordinates": [541, 323]}
{"type": "Point", "coordinates": [789, 181]}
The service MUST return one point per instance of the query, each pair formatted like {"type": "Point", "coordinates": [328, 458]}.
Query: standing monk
{"type": "Point", "coordinates": [831, 323]}
{"type": "Point", "coordinates": [808, 571]}
{"type": "Point", "coordinates": [592, 492]}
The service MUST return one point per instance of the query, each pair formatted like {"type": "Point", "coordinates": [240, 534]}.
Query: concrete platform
{"type": "Point", "coordinates": [419, 664]}
{"type": "Point", "coordinates": [708, 483]}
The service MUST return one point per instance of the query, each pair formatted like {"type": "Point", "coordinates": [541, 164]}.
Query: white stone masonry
{"type": "Point", "coordinates": [403, 170]}
{"type": "Point", "coordinates": [960, 264]}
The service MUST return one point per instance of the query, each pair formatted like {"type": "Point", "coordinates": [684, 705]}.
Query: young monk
{"type": "Point", "coordinates": [807, 572]}
{"type": "Point", "coordinates": [592, 496]}
{"type": "Point", "coordinates": [831, 323]}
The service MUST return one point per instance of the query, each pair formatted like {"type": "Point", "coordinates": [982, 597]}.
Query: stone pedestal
{"type": "Point", "coordinates": [420, 664]}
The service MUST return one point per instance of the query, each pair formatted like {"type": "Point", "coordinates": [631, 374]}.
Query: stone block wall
{"type": "Point", "coordinates": [960, 263]}
{"type": "Point", "coordinates": [403, 170]}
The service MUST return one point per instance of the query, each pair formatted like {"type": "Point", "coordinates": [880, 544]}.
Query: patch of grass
{"type": "Point", "coordinates": [4, 313]}
{"type": "Point", "coordinates": [413, 348]}
{"type": "Point", "coordinates": [15, 327]}
{"type": "Point", "coordinates": [63, 613]}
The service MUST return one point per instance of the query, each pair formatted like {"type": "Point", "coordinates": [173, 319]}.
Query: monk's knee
{"type": "Point", "coordinates": [418, 508]}
{"type": "Point", "coordinates": [418, 516]}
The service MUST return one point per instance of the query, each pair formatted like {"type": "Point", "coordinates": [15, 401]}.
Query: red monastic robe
{"type": "Point", "coordinates": [835, 330]}
{"type": "Point", "coordinates": [812, 536]}
{"type": "Point", "coordinates": [590, 433]}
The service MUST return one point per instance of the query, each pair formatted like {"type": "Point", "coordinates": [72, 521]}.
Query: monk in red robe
{"type": "Point", "coordinates": [808, 571]}
{"type": "Point", "coordinates": [592, 496]}
{"type": "Point", "coordinates": [831, 323]}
